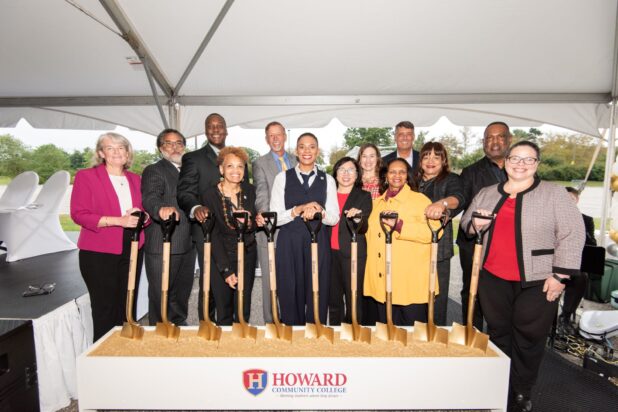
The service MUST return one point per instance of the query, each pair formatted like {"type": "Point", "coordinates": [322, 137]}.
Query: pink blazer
{"type": "Point", "coordinates": [94, 196]}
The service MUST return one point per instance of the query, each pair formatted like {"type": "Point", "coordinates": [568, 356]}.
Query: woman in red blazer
{"type": "Point", "coordinates": [102, 201]}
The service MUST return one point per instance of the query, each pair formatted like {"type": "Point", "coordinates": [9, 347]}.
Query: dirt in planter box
{"type": "Point", "coordinates": [190, 345]}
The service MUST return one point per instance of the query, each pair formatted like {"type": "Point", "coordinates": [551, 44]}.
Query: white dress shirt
{"type": "Point", "coordinates": [277, 198]}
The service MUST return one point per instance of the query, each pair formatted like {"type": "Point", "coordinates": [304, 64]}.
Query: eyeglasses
{"type": "Point", "coordinates": [173, 144]}
{"type": "Point", "coordinates": [350, 171]}
{"type": "Point", "coordinates": [528, 161]}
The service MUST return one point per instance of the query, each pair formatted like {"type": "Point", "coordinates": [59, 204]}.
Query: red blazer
{"type": "Point", "coordinates": [94, 196]}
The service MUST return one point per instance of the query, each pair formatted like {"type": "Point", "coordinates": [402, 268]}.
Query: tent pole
{"type": "Point", "coordinates": [609, 162]}
{"type": "Point", "coordinates": [174, 113]}
{"type": "Point", "coordinates": [154, 90]}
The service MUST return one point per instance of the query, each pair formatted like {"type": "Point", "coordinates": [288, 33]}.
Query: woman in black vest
{"type": "Point", "coordinates": [298, 194]}
{"type": "Point", "coordinates": [352, 201]}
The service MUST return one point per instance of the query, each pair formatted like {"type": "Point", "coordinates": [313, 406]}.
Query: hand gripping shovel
{"type": "Point", "coordinates": [207, 330]}
{"type": "Point", "coordinates": [316, 330]}
{"type": "Point", "coordinates": [428, 332]}
{"type": "Point", "coordinates": [276, 330]}
{"type": "Point", "coordinates": [389, 331]}
{"type": "Point", "coordinates": [131, 329]}
{"type": "Point", "coordinates": [468, 335]}
{"type": "Point", "coordinates": [165, 327]}
{"type": "Point", "coordinates": [354, 331]}
{"type": "Point", "coordinates": [242, 329]}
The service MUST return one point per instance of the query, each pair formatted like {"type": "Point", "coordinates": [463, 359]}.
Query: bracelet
{"type": "Point", "coordinates": [560, 279]}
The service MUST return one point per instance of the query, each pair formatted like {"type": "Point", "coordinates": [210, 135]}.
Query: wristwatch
{"type": "Point", "coordinates": [561, 279]}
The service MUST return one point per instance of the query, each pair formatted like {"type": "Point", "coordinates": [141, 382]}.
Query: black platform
{"type": "Point", "coordinates": [61, 268]}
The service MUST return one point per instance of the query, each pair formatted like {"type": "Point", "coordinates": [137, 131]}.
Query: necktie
{"type": "Point", "coordinates": [306, 180]}
{"type": "Point", "coordinates": [284, 167]}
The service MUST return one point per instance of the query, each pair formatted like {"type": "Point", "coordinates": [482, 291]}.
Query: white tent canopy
{"type": "Point", "coordinates": [367, 62]}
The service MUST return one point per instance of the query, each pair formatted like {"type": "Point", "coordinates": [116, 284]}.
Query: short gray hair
{"type": "Point", "coordinates": [117, 138]}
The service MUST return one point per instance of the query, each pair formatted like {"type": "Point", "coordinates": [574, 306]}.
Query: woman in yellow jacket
{"type": "Point", "coordinates": [411, 249]}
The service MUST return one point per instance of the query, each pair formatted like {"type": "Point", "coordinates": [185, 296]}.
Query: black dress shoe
{"type": "Point", "coordinates": [521, 403]}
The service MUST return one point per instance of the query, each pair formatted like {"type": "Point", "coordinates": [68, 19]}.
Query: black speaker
{"type": "Point", "coordinates": [19, 391]}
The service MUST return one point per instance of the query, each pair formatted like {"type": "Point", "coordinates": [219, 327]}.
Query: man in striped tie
{"type": "Point", "coordinates": [265, 168]}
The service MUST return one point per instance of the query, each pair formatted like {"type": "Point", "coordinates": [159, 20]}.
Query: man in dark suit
{"type": "Point", "coordinates": [486, 172]}
{"type": "Point", "coordinates": [404, 139]}
{"type": "Point", "coordinates": [159, 182]}
{"type": "Point", "coordinates": [265, 168]}
{"type": "Point", "coordinates": [199, 172]}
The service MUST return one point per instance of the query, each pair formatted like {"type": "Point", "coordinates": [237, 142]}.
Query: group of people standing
{"type": "Point", "coordinates": [531, 250]}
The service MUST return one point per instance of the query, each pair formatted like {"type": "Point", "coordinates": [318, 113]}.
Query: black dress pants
{"type": "Point", "coordinates": [340, 295]}
{"type": "Point", "coordinates": [106, 276]}
{"type": "Point", "coordinates": [573, 293]}
{"type": "Point", "coordinates": [518, 322]}
{"type": "Point", "coordinates": [441, 302]}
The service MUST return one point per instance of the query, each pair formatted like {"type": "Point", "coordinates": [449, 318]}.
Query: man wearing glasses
{"type": "Point", "coordinates": [159, 182]}
{"type": "Point", "coordinates": [486, 172]}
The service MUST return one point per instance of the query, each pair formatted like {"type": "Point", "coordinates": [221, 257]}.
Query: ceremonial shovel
{"type": "Point", "coordinates": [207, 330]}
{"type": "Point", "coordinates": [275, 330]}
{"type": "Point", "coordinates": [242, 329]}
{"type": "Point", "coordinates": [354, 331]}
{"type": "Point", "coordinates": [468, 335]}
{"type": "Point", "coordinates": [165, 327]}
{"type": "Point", "coordinates": [317, 330]}
{"type": "Point", "coordinates": [131, 329]}
{"type": "Point", "coordinates": [428, 332]}
{"type": "Point", "coordinates": [389, 331]}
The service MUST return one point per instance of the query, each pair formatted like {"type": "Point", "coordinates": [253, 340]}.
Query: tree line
{"type": "Point", "coordinates": [565, 157]}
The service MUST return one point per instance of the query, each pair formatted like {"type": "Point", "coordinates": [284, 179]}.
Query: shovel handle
{"type": "Point", "coordinates": [313, 231]}
{"type": "Point", "coordinates": [167, 228]}
{"type": "Point", "coordinates": [480, 231]}
{"type": "Point", "coordinates": [389, 257]}
{"type": "Point", "coordinates": [272, 270]}
{"type": "Point", "coordinates": [444, 220]}
{"type": "Point", "coordinates": [141, 217]}
{"type": "Point", "coordinates": [354, 224]}
{"type": "Point", "coordinates": [207, 226]}
{"type": "Point", "coordinates": [270, 225]}
{"type": "Point", "coordinates": [241, 280]}
{"type": "Point", "coordinates": [241, 226]}
{"type": "Point", "coordinates": [133, 265]}
{"type": "Point", "coordinates": [165, 274]}
{"type": "Point", "coordinates": [206, 277]}
{"type": "Point", "coordinates": [433, 268]}
{"type": "Point", "coordinates": [388, 231]}
{"type": "Point", "coordinates": [314, 268]}
{"type": "Point", "coordinates": [354, 267]}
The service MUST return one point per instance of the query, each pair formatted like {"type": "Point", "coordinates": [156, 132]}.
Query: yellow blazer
{"type": "Point", "coordinates": [411, 250]}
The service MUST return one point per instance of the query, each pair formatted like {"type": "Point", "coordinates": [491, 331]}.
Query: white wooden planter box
{"type": "Point", "coordinates": [328, 383]}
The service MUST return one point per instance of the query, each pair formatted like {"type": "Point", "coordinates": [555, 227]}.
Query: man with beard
{"type": "Point", "coordinates": [159, 182]}
{"type": "Point", "coordinates": [486, 172]}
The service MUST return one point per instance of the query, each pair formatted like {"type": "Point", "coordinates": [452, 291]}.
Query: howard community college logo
{"type": "Point", "coordinates": [255, 380]}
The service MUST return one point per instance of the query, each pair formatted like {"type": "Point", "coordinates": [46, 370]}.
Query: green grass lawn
{"type": "Point", "coordinates": [5, 180]}
{"type": "Point", "coordinates": [67, 224]}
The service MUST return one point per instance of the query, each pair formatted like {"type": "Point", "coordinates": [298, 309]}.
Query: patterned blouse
{"type": "Point", "coordinates": [372, 186]}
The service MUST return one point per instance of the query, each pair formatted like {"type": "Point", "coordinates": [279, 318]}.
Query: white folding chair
{"type": "Point", "coordinates": [35, 230]}
{"type": "Point", "coordinates": [20, 191]}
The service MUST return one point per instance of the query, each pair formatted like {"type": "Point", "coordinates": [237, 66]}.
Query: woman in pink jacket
{"type": "Point", "coordinates": [102, 201]}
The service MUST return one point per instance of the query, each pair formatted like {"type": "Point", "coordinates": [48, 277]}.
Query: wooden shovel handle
{"type": "Point", "coordinates": [272, 270]}
{"type": "Point", "coordinates": [133, 266]}
{"type": "Point", "coordinates": [314, 267]}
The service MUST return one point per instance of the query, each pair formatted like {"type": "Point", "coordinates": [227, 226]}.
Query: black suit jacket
{"type": "Point", "coordinates": [475, 177]}
{"type": "Point", "coordinates": [224, 239]}
{"type": "Point", "coordinates": [359, 199]}
{"type": "Point", "coordinates": [159, 183]}
{"type": "Point", "coordinates": [199, 172]}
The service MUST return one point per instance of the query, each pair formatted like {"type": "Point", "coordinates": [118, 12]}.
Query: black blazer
{"type": "Point", "coordinates": [198, 173]}
{"type": "Point", "coordinates": [224, 243]}
{"type": "Point", "coordinates": [159, 182]}
{"type": "Point", "coordinates": [359, 199]}
{"type": "Point", "coordinates": [475, 177]}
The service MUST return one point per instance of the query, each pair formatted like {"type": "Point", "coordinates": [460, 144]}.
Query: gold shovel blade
{"type": "Point", "coordinates": [244, 331]}
{"type": "Point", "coordinates": [355, 332]}
{"type": "Point", "coordinates": [167, 330]}
{"type": "Point", "coordinates": [209, 331]}
{"type": "Point", "coordinates": [311, 331]}
{"type": "Point", "coordinates": [327, 333]}
{"type": "Point", "coordinates": [278, 331]}
{"type": "Point", "coordinates": [132, 331]}
{"type": "Point", "coordinates": [479, 340]}
{"type": "Point", "coordinates": [424, 332]}
{"type": "Point", "coordinates": [391, 333]}
{"type": "Point", "coordinates": [457, 335]}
